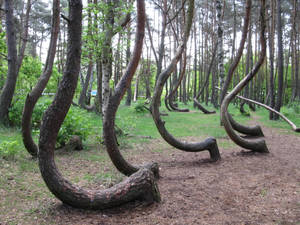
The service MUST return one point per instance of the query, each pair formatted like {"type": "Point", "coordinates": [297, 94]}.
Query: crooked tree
{"type": "Point", "coordinates": [141, 185]}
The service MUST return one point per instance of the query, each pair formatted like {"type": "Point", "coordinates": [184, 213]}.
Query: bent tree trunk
{"type": "Point", "coordinates": [12, 72]}
{"type": "Point", "coordinates": [36, 92]}
{"type": "Point", "coordinates": [196, 102]}
{"type": "Point", "coordinates": [258, 145]}
{"type": "Point", "coordinates": [209, 144]}
{"type": "Point", "coordinates": [109, 116]}
{"type": "Point", "coordinates": [140, 185]}
{"type": "Point", "coordinates": [169, 99]}
{"type": "Point", "coordinates": [294, 127]}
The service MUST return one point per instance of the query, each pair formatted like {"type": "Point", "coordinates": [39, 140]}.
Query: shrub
{"type": "Point", "coordinates": [140, 107]}
{"type": "Point", "coordinates": [8, 150]}
{"type": "Point", "coordinates": [75, 122]}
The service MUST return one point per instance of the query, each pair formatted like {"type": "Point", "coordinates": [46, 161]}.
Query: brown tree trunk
{"type": "Point", "coordinates": [257, 145]}
{"type": "Point", "coordinates": [12, 72]}
{"type": "Point", "coordinates": [271, 32]}
{"type": "Point", "coordinates": [36, 92]}
{"type": "Point", "coordinates": [210, 143]}
{"type": "Point", "coordinates": [114, 101]}
{"type": "Point", "coordinates": [280, 61]}
{"type": "Point", "coordinates": [240, 51]}
{"type": "Point", "coordinates": [140, 185]}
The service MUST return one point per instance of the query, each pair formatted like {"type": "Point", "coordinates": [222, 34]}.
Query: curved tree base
{"type": "Point", "coordinates": [200, 107]}
{"type": "Point", "coordinates": [209, 144]}
{"type": "Point", "coordinates": [175, 108]}
{"type": "Point", "coordinates": [254, 131]}
{"type": "Point", "coordinates": [28, 142]}
{"type": "Point", "coordinates": [256, 144]}
{"type": "Point", "coordinates": [139, 186]}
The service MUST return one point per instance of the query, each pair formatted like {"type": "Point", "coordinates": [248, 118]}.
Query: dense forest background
{"type": "Point", "coordinates": [212, 46]}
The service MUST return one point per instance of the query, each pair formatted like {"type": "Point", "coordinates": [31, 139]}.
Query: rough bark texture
{"type": "Point", "coordinates": [12, 72]}
{"type": "Point", "coordinates": [258, 145]}
{"type": "Point", "coordinates": [36, 92]}
{"type": "Point", "coordinates": [141, 185]}
{"type": "Point", "coordinates": [106, 56]}
{"type": "Point", "coordinates": [114, 101]}
{"type": "Point", "coordinates": [209, 144]}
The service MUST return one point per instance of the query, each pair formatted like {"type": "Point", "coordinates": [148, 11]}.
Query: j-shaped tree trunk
{"type": "Point", "coordinates": [240, 51]}
{"type": "Point", "coordinates": [257, 145]}
{"type": "Point", "coordinates": [140, 185]}
{"type": "Point", "coordinates": [205, 84]}
{"type": "Point", "coordinates": [170, 97]}
{"type": "Point", "coordinates": [109, 116]}
{"type": "Point", "coordinates": [209, 144]}
{"type": "Point", "coordinates": [36, 92]}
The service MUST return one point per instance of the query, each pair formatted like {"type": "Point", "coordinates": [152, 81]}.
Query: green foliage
{"type": "Point", "coordinates": [53, 81]}
{"type": "Point", "coordinates": [75, 123]}
{"type": "Point", "coordinates": [30, 71]}
{"type": "Point", "coordinates": [9, 149]}
{"type": "Point", "coordinates": [15, 112]}
{"type": "Point", "coordinates": [3, 61]}
{"type": "Point", "coordinates": [139, 107]}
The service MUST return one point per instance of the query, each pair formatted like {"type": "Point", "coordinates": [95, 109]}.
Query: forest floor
{"type": "Point", "coordinates": [242, 188]}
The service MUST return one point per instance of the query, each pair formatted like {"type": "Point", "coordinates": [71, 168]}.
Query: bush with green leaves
{"type": "Point", "coordinates": [75, 123]}
{"type": "Point", "coordinates": [9, 149]}
{"type": "Point", "coordinates": [140, 107]}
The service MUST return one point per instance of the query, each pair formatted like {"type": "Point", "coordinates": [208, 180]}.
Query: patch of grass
{"type": "Point", "coordinates": [263, 193]}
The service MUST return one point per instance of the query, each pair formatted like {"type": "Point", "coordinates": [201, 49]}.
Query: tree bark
{"type": "Point", "coordinates": [221, 71]}
{"type": "Point", "coordinates": [114, 101]}
{"type": "Point", "coordinates": [106, 56]}
{"type": "Point", "coordinates": [12, 72]}
{"type": "Point", "coordinates": [234, 65]}
{"type": "Point", "coordinates": [141, 185]}
{"type": "Point", "coordinates": [36, 92]}
{"type": "Point", "coordinates": [280, 61]}
{"type": "Point", "coordinates": [209, 144]}
{"type": "Point", "coordinates": [257, 145]}
{"type": "Point", "coordinates": [271, 32]}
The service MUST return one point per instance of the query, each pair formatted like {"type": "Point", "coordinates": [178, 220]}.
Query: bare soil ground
{"type": "Point", "coordinates": [243, 188]}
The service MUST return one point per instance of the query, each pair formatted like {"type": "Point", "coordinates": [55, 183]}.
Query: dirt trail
{"type": "Point", "coordinates": [243, 188]}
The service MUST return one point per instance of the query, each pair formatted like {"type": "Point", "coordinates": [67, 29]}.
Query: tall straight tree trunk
{"type": "Point", "coordinates": [221, 71]}
{"type": "Point", "coordinates": [271, 30]}
{"type": "Point", "coordinates": [129, 90]}
{"type": "Point", "coordinates": [106, 56]}
{"type": "Point", "coordinates": [280, 61]}
{"type": "Point", "coordinates": [12, 72]}
{"type": "Point", "coordinates": [161, 50]}
{"type": "Point", "coordinates": [83, 93]}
